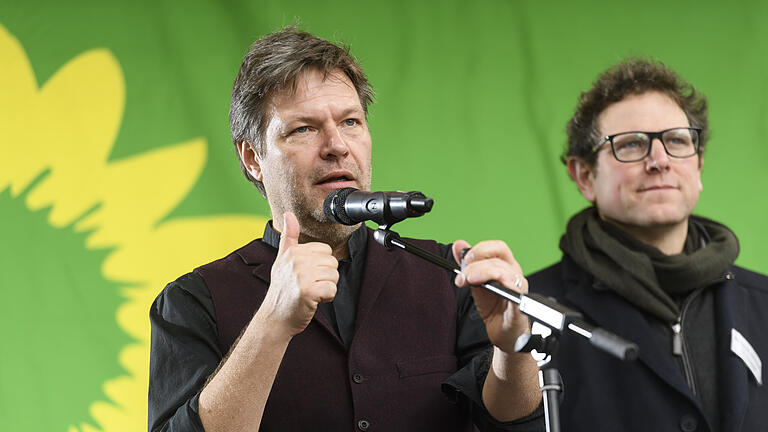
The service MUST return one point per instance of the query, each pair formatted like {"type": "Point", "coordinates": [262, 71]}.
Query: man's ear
{"type": "Point", "coordinates": [584, 176]}
{"type": "Point", "coordinates": [250, 159]}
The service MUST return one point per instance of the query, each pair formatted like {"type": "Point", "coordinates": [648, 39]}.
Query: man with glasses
{"type": "Point", "coordinates": [638, 263]}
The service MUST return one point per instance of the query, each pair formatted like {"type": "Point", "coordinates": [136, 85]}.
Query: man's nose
{"type": "Point", "coordinates": [334, 145]}
{"type": "Point", "coordinates": [658, 157]}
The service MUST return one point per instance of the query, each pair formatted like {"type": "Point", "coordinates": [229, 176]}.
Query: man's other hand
{"type": "Point", "coordinates": [493, 261]}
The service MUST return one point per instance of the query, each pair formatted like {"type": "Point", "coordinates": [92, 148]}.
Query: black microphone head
{"type": "Point", "coordinates": [333, 207]}
{"type": "Point", "coordinates": [420, 204]}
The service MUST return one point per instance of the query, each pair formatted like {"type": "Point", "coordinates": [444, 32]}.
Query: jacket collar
{"type": "Point", "coordinates": [259, 255]}
{"type": "Point", "coordinates": [605, 309]}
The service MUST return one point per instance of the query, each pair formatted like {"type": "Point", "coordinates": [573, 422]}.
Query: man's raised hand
{"type": "Point", "coordinates": [303, 275]}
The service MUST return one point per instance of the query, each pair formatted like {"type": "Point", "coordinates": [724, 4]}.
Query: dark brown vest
{"type": "Point", "coordinates": [403, 347]}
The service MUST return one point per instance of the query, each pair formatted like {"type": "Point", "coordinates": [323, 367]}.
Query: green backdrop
{"type": "Point", "coordinates": [118, 175]}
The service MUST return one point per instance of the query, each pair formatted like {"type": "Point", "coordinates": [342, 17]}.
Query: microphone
{"type": "Point", "coordinates": [350, 206]}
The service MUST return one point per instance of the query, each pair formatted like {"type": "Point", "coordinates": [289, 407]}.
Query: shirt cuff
{"type": "Point", "coordinates": [464, 388]}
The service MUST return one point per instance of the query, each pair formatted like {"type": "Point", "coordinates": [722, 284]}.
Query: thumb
{"type": "Point", "coordinates": [457, 248]}
{"type": "Point", "coordinates": [290, 235]}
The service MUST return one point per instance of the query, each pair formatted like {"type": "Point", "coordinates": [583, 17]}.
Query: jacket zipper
{"type": "Point", "coordinates": [678, 342]}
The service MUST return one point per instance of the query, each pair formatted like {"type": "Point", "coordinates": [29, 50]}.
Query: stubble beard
{"type": "Point", "coordinates": [315, 225]}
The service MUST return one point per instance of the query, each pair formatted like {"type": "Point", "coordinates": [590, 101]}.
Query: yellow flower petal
{"type": "Point", "coordinates": [18, 91]}
{"type": "Point", "coordinates": [82, 105]}
{"type": "Point", "coordinates": [68, 128]}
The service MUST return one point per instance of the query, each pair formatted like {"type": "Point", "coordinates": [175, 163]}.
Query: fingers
{"type": "Point", "coordinates": [489, 261]}
{"type": "Point", "coordinates": [319, 274]}
{"type": "Point", "coordinates": [457, 248]}
{"type": "Point", "coordinates": [490, 249]}
{"type": "Point", "coordinates": [325, 291]}
{"type": "Point", "coordinates": [310, 249]}
{"type": "Point", "coordinates": [302, 276]}
{"type": "Point", "coordinates": [494, 269]}
{"type": "Point", "coordinates": [291, 229]}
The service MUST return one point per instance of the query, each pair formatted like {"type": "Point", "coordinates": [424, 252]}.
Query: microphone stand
{"type": "Point", "coordinates": [540, 309]}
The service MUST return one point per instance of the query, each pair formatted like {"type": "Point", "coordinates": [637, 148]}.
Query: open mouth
{"type": "Point", "coordinates": [335, 179]}
{"type": "Point", "coordinates": [656, 188]}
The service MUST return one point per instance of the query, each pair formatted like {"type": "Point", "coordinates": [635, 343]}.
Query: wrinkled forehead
{"type": "Point", "coordinates": [313, 85]}
{"type": "Point", "coordinates": [650, 112]}
{"type": "Point", "coordinates": [313, 98]}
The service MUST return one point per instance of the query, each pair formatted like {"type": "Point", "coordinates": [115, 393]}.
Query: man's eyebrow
{"type": "Point", "coordinates": [306, 118]}
{"type": "Point", "coordinates": [302, 118]}
{"type": "Point", "coordinates": [352, 111]}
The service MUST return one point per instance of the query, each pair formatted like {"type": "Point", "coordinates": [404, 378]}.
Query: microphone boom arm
{"type": "Point", "coordinates": [540, 308]}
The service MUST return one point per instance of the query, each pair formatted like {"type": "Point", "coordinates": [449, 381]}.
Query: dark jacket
{"type": "Point", "coordinates": [603, 393]}
{"type": "Point", "coordinates": [403, 347]}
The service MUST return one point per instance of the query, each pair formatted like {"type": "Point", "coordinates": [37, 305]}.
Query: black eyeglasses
{"type": "Point", "coordinates": [635, 146]}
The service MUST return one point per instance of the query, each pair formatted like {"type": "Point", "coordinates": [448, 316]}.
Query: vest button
{"type": "Point", "coordinates": [688, 423]}
{"type": "Point", "coordinates": [363, 425]}
{"type": "Point", "coordinates": [357, 378]}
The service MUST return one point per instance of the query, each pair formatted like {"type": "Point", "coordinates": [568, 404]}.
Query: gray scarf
{"type": "Point", "coordinates": [641, 273]}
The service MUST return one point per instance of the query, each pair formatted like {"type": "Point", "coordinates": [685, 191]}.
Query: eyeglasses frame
{"type": "Point", "coordinates": [652, 136]}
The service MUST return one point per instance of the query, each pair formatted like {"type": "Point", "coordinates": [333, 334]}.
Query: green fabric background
{"type": "Point", "coordinates": [472, 97]}
{"type": "Point", "coordinates": [472, 100]}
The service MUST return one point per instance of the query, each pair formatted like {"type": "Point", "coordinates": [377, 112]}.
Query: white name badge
{"type": "Point", "coordinates": [742, 348]}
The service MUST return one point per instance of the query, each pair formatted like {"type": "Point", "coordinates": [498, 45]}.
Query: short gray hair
{"type": "Point", "coordinates": [274, 63]}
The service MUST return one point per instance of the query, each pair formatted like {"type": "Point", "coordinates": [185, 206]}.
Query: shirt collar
{"type": "Point", "coordinates": [356, 243]}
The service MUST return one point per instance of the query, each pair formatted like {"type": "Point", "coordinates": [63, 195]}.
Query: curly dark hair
{"type": "Point", "coordinates": [275, 62]}
{"type": "Point", "coordinates": [632, 76]}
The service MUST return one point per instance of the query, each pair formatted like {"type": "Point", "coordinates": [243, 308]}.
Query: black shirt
{"type": "Point", "coordinates": [184, 350]}
{"type": "Point", "coordinates": [341, 312]}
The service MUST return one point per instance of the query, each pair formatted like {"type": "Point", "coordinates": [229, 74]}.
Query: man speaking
{"type": "Point", "coordinates": [315, 326]}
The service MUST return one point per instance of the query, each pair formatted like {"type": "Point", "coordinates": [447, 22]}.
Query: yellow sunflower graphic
{"type": "Point", "coordinates": [84, 246]}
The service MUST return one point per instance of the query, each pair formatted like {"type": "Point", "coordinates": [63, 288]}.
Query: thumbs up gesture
{"type": "Point", "coordinates": [303, 275]}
